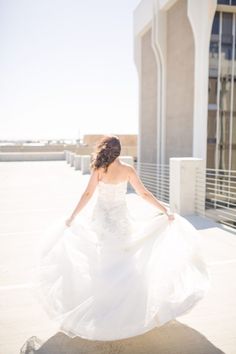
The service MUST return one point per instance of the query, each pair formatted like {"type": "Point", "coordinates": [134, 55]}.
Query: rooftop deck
{"type": "Point", "coordinates": [32, 193]}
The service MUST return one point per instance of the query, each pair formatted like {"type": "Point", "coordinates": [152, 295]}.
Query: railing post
{"type": "Point", "coordinates": [183, 184]}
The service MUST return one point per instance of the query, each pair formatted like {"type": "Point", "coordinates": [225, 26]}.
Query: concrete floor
{"type": "Point", "coordinates": [34, 193]}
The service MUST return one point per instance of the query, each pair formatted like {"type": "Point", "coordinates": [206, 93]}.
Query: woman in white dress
{"type": "Point", "coordinates": [109, 275]}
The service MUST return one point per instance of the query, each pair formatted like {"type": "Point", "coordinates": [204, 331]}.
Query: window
{"type": "Point", "coordinates": [221, 136]}
{"type": "Point", "coordinates": [224, 2]}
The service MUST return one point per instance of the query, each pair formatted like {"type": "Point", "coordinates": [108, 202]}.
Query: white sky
{"type": "Point", "coordinates": [67, 68]}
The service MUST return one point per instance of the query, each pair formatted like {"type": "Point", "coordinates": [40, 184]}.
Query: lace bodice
{"type": "Point", "coordinates": [110, 218]}
{"type": "Point", "coordinates": [112, 192]}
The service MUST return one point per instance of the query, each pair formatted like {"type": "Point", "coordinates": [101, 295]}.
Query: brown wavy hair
{"type": "Point", "coordinates": [108, 149]}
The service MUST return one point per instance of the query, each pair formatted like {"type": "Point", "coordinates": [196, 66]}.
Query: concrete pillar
{"type": "Point", "coordinates": [85, 164]}
{"type": "Point", "coordinates": [201, 15]}
{"type": "Point", "coordinates": [77, 162]}
{"type": "Point", "coordinates": [72, 157]}
{"type": "Point", "coordinates": [68, 156]}
{"type": "Point", "coordinates": [179, 82]}
{"type": "Point", "coordinates": [184, 178]}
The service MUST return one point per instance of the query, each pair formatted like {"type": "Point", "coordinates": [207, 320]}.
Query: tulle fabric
{"type": "Point", "coordinates": [114, 275]}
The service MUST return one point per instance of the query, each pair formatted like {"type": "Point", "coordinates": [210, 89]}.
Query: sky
{"type": "Point", "coordinates": [67, 68]}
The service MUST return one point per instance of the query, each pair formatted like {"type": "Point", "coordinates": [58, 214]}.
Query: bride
{"type": "Point", "coordinates": [107, 167]}
{"type": "Point", "coordinates": [107, 275]}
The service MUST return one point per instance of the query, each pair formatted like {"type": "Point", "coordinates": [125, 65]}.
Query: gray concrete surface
{"type": "Point", "coordinates": [32, 194]}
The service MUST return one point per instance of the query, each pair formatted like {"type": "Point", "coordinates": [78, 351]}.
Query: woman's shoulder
{"type": "Point", "coordinates": [128, 170]}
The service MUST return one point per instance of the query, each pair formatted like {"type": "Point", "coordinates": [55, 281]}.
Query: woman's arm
{"type": "Point", "coordinates": [145, 193]}
{"type": "Point", "coordinates": [87, 194]}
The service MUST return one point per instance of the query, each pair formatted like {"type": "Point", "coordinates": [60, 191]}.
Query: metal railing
{"type": "Point", "coordinates": [155, 178]}
{"type": "Point", "coordinates": [216, 195]}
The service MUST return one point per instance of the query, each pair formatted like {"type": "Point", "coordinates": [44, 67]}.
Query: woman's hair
{"type": "Point", "coordinates": [108, 149]}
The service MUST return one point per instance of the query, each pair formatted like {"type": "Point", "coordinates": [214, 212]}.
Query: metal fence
{"type": "Point", "coordinates": [216, 195]}
{"type": "Point", "coordinates": [156, 179]}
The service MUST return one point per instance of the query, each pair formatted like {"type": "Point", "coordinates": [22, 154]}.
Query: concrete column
{"type": "Point", "coordinates": [85, 164]}
{"type": "Point", "coordinates": [68, 156]}
{"type": "Point", "coordinates": [201, 15]}
{"type": "Point", "coordinates": [183, 184]}
{"type": "Point", "coordinates": [72, 158]}
{"type": "Point", "coordinates": [77, 162]}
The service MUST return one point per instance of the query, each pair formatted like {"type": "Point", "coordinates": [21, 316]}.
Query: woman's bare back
{"type": "Point", "coordinates": [117, 172]}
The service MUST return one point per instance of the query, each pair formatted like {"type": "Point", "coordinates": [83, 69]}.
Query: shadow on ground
{"type": "Point", "coordinates": [171, 338]}
{"type": "Point", "coordinates": [202, 223]}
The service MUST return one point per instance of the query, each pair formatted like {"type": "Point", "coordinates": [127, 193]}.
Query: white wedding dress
{"type": "Point", "coordinates": [111, 276]}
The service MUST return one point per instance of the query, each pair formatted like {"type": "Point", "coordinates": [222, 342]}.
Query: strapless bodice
{"type": "Point", "coordinates": [110, 214]}
{"type": "Point", "coordinates": [112, 192]}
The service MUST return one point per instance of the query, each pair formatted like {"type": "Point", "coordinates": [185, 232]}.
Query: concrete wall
{"type": "Point", "coordinates": [179, 83]}
{"type": "Point", "coordinates": [87, 150]}
{"type": "Point", "coordinates": [126, 139]}
{"type": "Point", "coordinates": [148, 104]}
{"type": "Point", "coordinates": [130, 150]}
{"type": "Point", "coordinates": [37, 148]}
{"type": "Point", "coordinates": [31, 156]}
{"type": "Point", "coordinates": [182, 30]}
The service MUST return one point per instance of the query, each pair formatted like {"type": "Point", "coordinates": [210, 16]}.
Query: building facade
{"type": "Point", "coordinates": [185, 53]}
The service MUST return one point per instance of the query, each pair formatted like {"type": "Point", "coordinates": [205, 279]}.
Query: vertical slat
{"type": "Point", "coordinates": [155, 177]}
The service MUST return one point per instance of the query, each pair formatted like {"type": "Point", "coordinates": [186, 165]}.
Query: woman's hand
{"type": "Point", "coordinates": [171, 217]}
{"type": "Point", "coordinates": [69, 221]}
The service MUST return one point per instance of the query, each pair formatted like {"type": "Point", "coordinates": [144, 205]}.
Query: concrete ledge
{"type": "Point", "coordinates": [32, 156]}
{"type": "Point", "coordinates": [127, 159]}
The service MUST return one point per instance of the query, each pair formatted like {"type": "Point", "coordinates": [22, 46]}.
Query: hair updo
{"type": "Point", "coordinates": [108, 149]}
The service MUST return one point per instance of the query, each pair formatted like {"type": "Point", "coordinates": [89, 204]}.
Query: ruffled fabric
{"type": "Point", "coordinates": [112, 275]}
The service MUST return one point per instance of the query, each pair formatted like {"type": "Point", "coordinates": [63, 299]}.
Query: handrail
{"type": "Point", "coordinates": [218, 188]}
